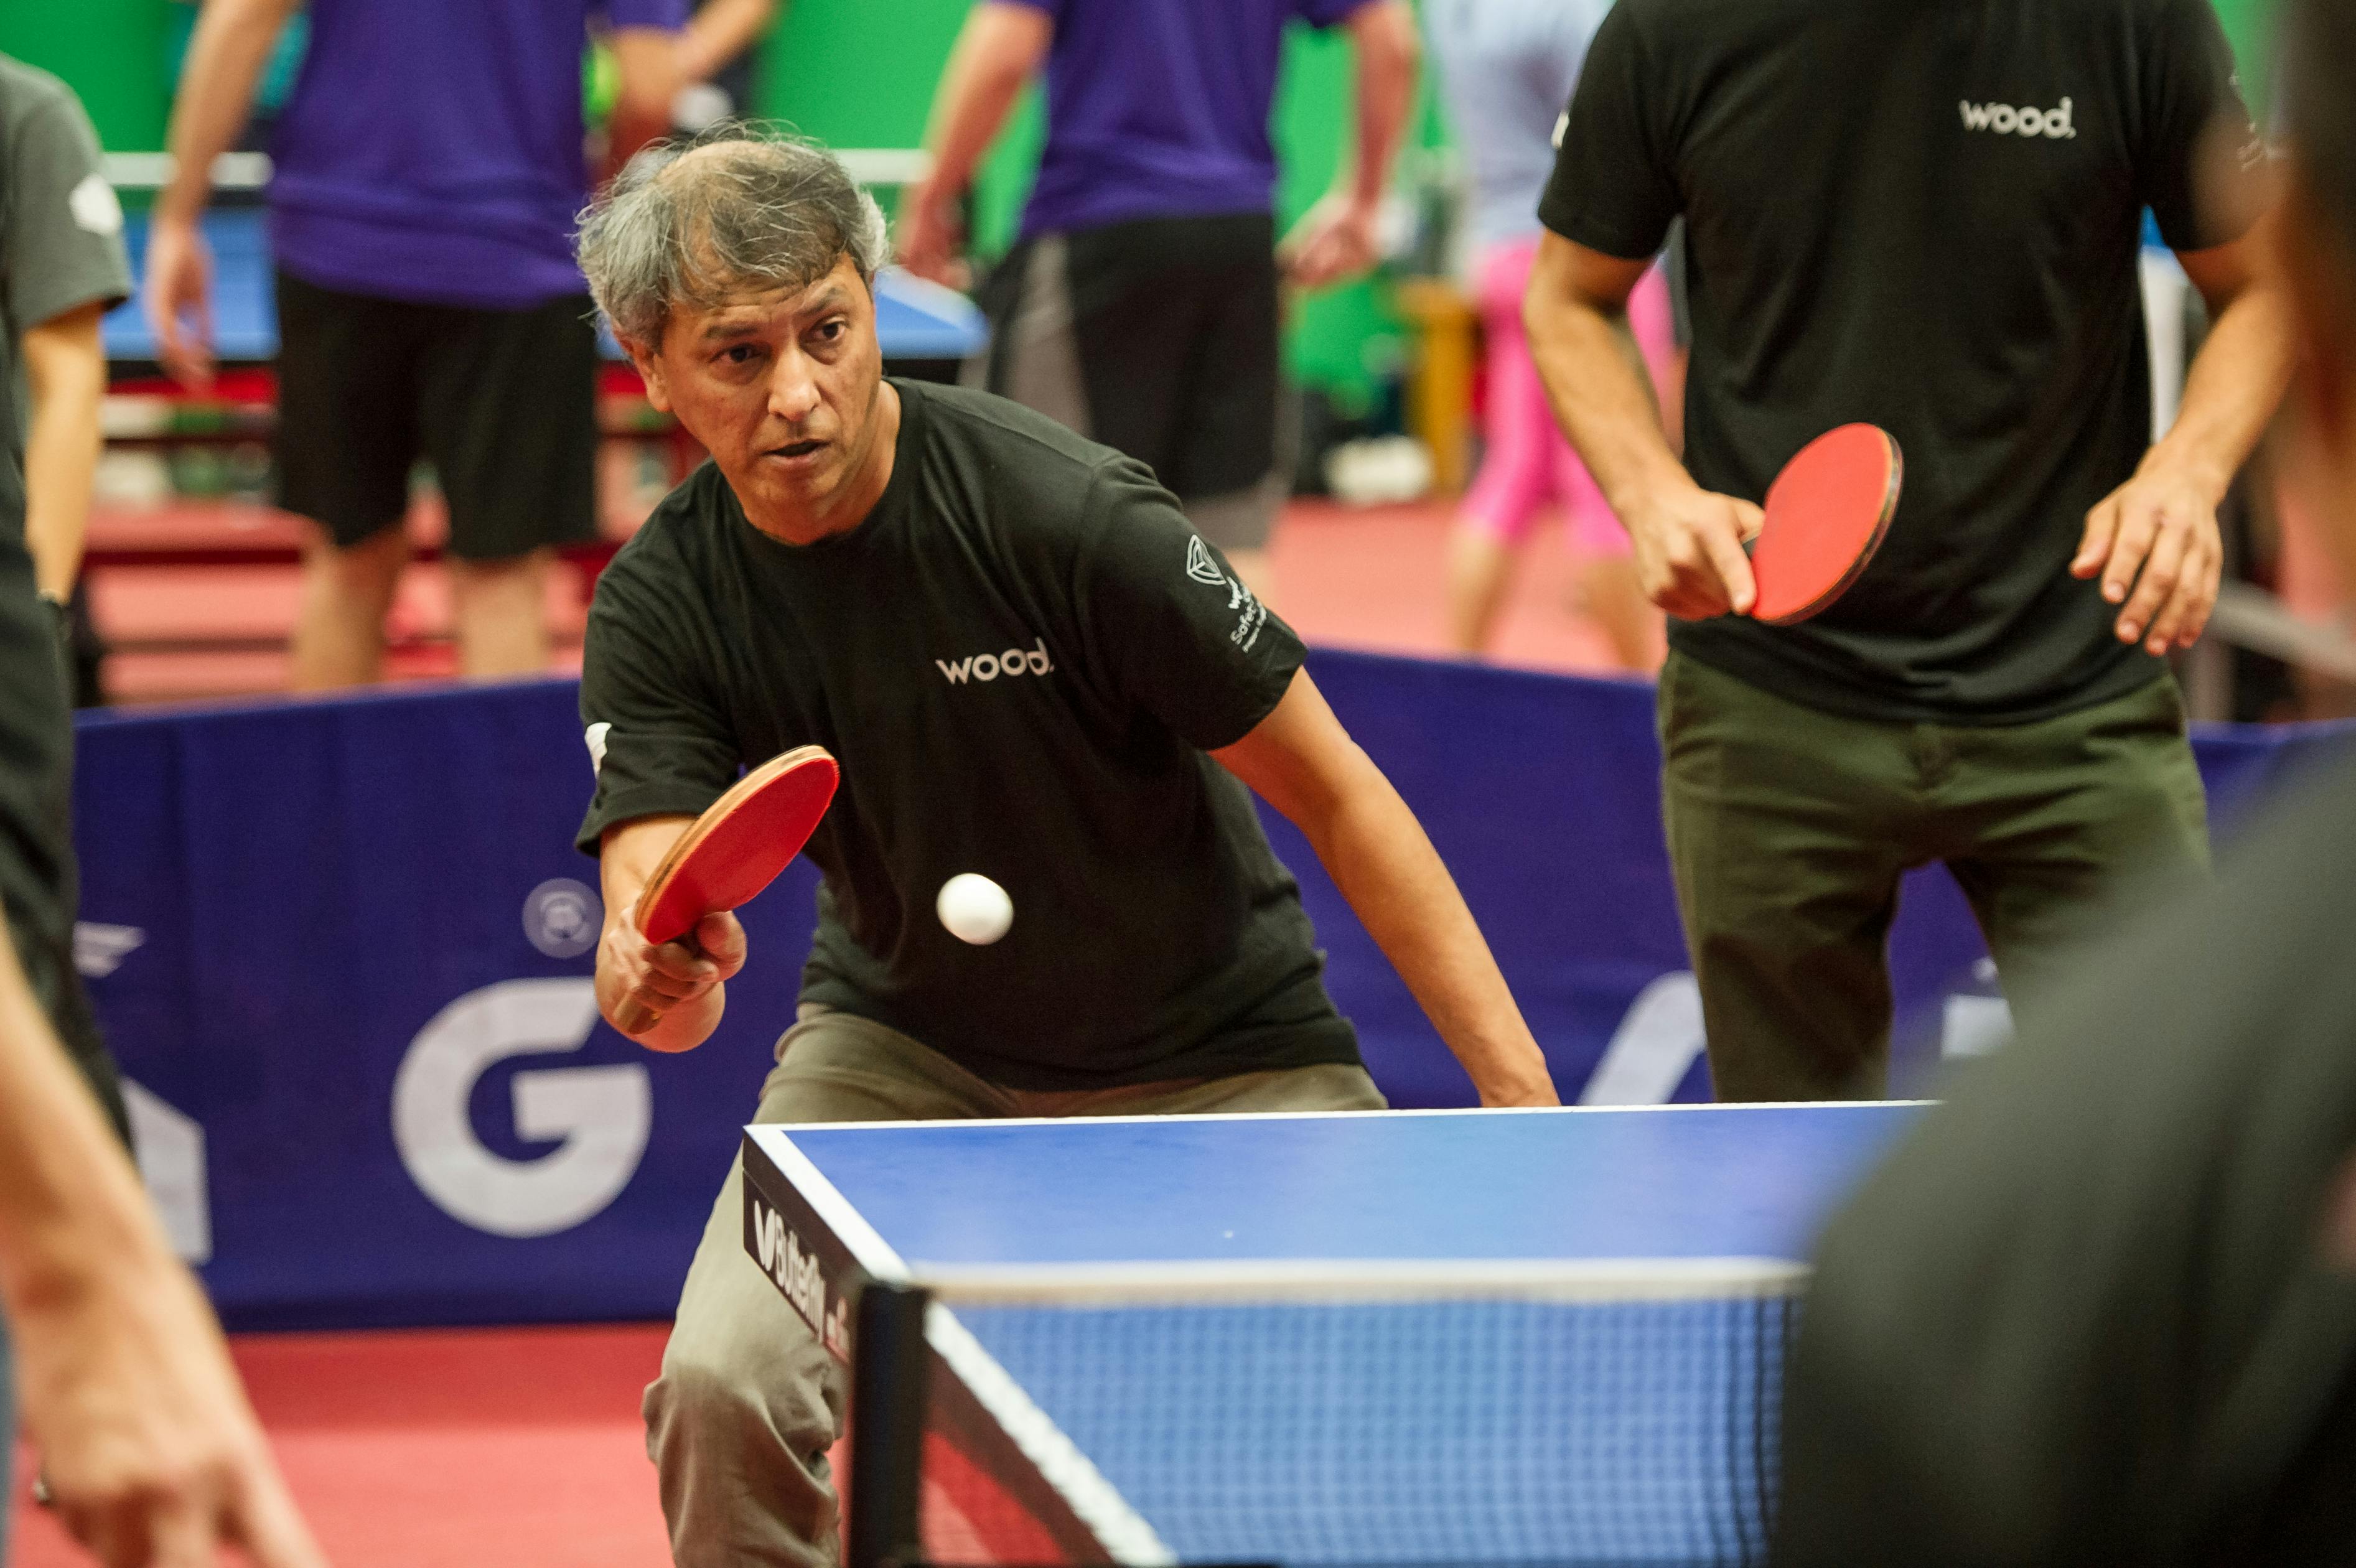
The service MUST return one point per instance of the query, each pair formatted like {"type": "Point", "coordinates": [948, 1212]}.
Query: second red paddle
{"type": "Point", "coordinates": [732, 851]}
{"type": "Point", "coordinates": [1828, 513]}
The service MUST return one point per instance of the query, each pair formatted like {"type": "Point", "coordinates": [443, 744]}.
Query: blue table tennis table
{"type": "Point", "coordinates": [920, 324]}
{"type": "Point", "coordinates": [1391, 1338]}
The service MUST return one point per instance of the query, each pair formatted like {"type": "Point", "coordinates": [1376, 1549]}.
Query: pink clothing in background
{"type": "Point", "coordinates": [1526, 463]}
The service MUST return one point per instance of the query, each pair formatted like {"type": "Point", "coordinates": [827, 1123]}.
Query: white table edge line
{"type": "Point", "coordinates": [865, 1244]}
{"type": "Point", "coordinates": [977, 1124]}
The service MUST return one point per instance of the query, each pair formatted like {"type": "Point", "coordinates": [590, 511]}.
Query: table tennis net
{"type": "Point", "coordinates": [1599, 1415]}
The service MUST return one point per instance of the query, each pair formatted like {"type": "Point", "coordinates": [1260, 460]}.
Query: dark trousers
{"type": "Point", "coordinates": [1790, 827]}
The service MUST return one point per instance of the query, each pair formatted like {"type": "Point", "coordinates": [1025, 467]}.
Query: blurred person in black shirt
{"type": "Point", "coordinates": [2101, 1307]}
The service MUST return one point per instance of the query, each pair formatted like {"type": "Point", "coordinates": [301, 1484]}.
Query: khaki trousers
{"type": "Point", "coordinates": [748, 1404]}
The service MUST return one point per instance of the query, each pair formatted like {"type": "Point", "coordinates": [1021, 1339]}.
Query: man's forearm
{"type": "Point", "coordinates": [66, 370]}
{"type": "Point", "coordinates": [647, 64]}
{"type": "Point", "coordinates": [2231, 392]}
{"type": "Point", "coordinates": [226, 54]}
{"type": "Point", "coordinates": [718, 33]}
{"type": "Point", "coordinates": [1378, 854]}
{"type": "Point", "coordinates": [996, 52]}
{"type": "Point", "coordinates": [1386, 54]}
{"type": "Point", "coordinates": [70, 1206]}
{"type": "Point", "coordinates": [1601, 395]}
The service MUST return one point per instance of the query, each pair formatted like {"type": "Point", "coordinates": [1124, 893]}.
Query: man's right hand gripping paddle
{"type": "Point", "coordinates": [724, 860]}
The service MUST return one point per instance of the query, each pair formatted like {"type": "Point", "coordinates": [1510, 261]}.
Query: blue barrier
{"type": "Point", "coordinates": [343, 950]}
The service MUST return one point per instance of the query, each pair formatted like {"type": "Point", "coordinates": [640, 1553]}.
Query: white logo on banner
{"type": "Point", "coordinates": [99, 949]}
{"type": "Point", "coordinates": [1653, 1048]}
{"type": "Point", "coordinates": [562, 917]}
{"type": "Point", "coordinates": [598, 1115]}
{"type": "Point", "coordinates": [172, 1163]}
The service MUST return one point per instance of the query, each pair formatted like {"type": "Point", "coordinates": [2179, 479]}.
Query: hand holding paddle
{"type": "Point", "coordinates": [722, 861]}
{"type": "Point", "coordinates": [1690, 558]}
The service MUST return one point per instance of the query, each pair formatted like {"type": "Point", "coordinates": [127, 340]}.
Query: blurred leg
{"type": "Point", "coordinates": [510, 420]}
{"type": "Point", "coordinates": [1518, 438]}
{"type": "Point", "coordinates": [339, 623]}
{"type": "Point", "coordinates": [1614, 600]}
{"type": "Point", "coordinates": [1788, 830]}
{"type": "Point", "coordinates": [501, 612]}
{"type": "Point", "coordinates": [1479, 567]}
{"type": "Point", "coordinates": [346, 440]}
{"type": "Point", "coordinates": [2071, 823]}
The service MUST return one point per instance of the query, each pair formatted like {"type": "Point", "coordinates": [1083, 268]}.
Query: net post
{"type": "Point", "coordinates": [890, 1362]}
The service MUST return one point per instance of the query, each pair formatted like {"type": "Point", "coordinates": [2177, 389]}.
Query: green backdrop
{"type": "Point", "coordinates": [857, 73]}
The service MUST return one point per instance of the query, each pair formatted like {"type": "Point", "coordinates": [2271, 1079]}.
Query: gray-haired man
{"type": "Point", "coordinates": [1028, 667]}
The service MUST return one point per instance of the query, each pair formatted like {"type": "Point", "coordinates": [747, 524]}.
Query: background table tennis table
{"type": "Point", "coordinates": [1528, 1336]}
{"type": "Point", "coordinates": [925, 329]}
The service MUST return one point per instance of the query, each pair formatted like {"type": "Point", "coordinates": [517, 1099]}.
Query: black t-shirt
{"type": "Point", "coordinates": [2083, 1315]}
{"type": "Point", "coordinates": [1924, 214]}
{"type": "Point", "coordinates": [1019, 659]}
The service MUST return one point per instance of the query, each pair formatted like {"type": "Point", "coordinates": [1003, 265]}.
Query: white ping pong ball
{"type": "Point", "coordinates": [974, 908]}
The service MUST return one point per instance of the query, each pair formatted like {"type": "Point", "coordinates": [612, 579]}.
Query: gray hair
{"type": "Point", "coordinates": [693, 220]}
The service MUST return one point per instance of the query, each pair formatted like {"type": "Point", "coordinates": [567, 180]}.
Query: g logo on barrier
{"type": "Point", "coordinates": [601, 1114]}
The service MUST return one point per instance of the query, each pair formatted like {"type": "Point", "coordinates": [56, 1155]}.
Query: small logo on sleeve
{"type": "Point", "coordinates": [596, 737]}
{"type": "Point", "coordinates": [94, 206]}
{"type": "Point", "coordinates": [1204, 570]}
{"type": "Point", "coordinates": [1199, 566]}
{"type": "Point", "coordinates": [2006, 120]}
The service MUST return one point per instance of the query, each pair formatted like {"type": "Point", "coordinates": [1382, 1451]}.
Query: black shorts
{"type": "Point", "coordinates": [1158, 338]}
{"type": "Point", "coordinates": [502, 402]}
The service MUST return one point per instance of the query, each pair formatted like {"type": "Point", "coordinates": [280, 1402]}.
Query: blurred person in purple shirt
{"type": "Point", "coordinates": [428, 165]}
{"type": "Point", "coordinates": [1139, 306]}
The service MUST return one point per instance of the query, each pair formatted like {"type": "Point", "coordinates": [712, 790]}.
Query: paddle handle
{"type": "Point", "coordinates": [633, 1016]}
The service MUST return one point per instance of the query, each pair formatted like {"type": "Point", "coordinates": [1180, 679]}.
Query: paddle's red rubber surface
{"type": "Point", "coordinates": [1827, 514]}
{"type": "Point", "coordinates": [738, 846]}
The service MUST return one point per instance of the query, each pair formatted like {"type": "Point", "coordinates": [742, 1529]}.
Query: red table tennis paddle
{"type": "Point", "coordinates": [732, 851]}
{"type": "Point", "coordinates": [1827, 514]}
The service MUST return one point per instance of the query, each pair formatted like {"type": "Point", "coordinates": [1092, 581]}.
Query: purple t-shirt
{"type": "Point", "coordinates": [431, 149]}
{"type": "Point", "coordinates": [1159, 107]}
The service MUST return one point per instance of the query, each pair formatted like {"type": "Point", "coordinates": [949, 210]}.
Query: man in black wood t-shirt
{"type": "Point", "coordinates": [1028, 667]}
{"type": "Point", "coordinates": [1925, 216]}
{"type": "Point", "coordinates": [2100, 1309]}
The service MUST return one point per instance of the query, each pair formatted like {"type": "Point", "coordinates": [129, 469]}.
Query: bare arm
{"type": "Point", "coordinates": [65, 368]}
{"type": "Point", "coordinates": [685, 981]}
{"type": "Point", "coordinates": [225, 53]}
{"type": "Point", "coordinates": [719, 33]}
{"type": "Point", "coordinates": [1337, 239]}
{"type": "Point", "coordinates": [2158, 533]}
{"type": "Point", "coordinates": [1688, 541]}
{"type": "Point", "coordinates": [647, 76]}
{"type": "Point", "coordinates": [1301, 762]}
{"type": "Point", "coordinates": [145, 1436]}
{"type": "Point", "coordinates": [997, 50]}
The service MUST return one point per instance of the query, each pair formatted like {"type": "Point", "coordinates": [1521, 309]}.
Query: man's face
{"type": "Point", "coordinates": [780, 386]}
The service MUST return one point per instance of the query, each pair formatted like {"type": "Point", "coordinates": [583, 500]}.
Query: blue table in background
{"type": "Point", "coordinates": [918, 323]}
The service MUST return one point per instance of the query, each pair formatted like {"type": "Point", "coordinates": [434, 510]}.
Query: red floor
{"type": "Point", "coordinates": [514, 1448]}
{"type": "Point", "coordinates": [197, 598]}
